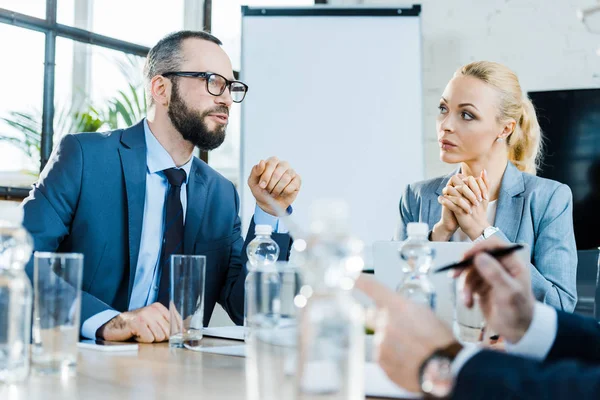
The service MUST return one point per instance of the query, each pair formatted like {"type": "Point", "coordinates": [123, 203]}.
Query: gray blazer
{"type": "Point", "coordinates": [531, 210]}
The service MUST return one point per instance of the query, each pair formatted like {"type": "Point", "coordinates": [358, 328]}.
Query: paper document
{"type": "Point", "coordinates": [237, 351]}
{"type": "Point", "coordinates": [225, 332]}
{"type": "Point", "coordinates": [377, 384]}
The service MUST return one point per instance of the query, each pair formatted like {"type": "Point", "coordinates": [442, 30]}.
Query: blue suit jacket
{"type": "Point", "coordinates": [90, 199]}
{"type": "Point", "coordinates": [531, 210]}
{"type": "Point", "coordinates": [570, 371]}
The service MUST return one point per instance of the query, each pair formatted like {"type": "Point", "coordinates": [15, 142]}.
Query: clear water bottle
{"type": "Point", "coordinates": [262, 250]}
{"type": "Point", "coordinates": [417, 256]}
{"type": "Point", "coordinates": [331, 334]}
{"type": "Point", "coordinates": [16, 296]}
{"type": "Point", "coordinates": [262, 254]}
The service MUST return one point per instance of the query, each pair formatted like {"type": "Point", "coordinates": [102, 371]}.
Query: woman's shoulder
{"type": "Point", "coordinates": [544, 187]}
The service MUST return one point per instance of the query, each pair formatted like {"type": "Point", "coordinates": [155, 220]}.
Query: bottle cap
{"type": "Point", "coordinates": [263, 230]}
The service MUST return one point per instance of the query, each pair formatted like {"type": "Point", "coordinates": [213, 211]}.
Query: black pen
{"type": "Point", "coordinates": [469, 261]}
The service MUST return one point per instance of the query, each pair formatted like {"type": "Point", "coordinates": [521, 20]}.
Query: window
{"type": "Point", "coordinates": [142, 22]}
{"type": "Point", "coordinates": [35, 8]}
{"type": "Point", "coordinates": [96, 74]}
{"type": "Point", "coordinates": [97, 79]}
{"type": "Point", "coordinates": [21, 105]}
{"type": "Point", "coordinates": [96, 88]}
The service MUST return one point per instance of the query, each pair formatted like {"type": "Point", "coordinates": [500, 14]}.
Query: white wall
{"type": "Point", "coordinates": [541, 40]}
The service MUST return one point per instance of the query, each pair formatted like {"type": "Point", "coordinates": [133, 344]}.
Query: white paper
{"type": "Point", "coordinates": [377, 384]}
{"type": "Point", "coordinates": [225, 332]}
{"type": "Point", "coordinates": [110, 347]}
{"type": "Point", "coordinates": [236, 351]}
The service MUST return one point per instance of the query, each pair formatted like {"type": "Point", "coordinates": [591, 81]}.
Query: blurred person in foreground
{"type": "Point", "coordinates": [549, 354]}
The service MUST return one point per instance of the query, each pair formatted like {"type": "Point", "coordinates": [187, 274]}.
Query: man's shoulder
{"type": "Point", "coordinates": [107, 138]}
{"type": "Point", "coordinates": [209, 174]}
{"type": "Point", "coordinates": [90, 143]}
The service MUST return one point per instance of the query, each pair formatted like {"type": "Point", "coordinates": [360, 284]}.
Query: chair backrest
{"type": "Point", "coordinates": [588, 292]}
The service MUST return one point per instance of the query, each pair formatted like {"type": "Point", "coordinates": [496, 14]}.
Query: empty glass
{"type": "Point", "coordinates": [468, 322]}
{"type": "Point", "coordinates": [186, 306]}
{"type": "Point", "coordinates": [57, 305]}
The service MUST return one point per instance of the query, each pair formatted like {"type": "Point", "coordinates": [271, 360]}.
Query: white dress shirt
{"type": "Point", "coordinates": [535, 344]}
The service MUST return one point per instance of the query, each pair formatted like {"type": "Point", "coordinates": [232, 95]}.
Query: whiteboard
{"type": "Point", "coordinates": [337, 93]}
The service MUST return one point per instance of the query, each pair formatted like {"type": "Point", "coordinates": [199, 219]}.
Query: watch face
{"type": "Point", "coordinates": [437, 377]}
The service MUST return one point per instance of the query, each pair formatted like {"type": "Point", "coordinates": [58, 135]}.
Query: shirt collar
{"type": "Point", "coordinates": [157, 158]}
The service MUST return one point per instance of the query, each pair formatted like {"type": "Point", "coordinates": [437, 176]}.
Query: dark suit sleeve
{"type": "Point", "coordinates": [492, 375]}
{"type": "Point", "coordinates": [570, 371]}
{"type": "Point", "coordinates": [232, 294]}
{"type": "Point", "coordinates": [577, 338]}
{"type": "Point", "coordinates": [51, 204]}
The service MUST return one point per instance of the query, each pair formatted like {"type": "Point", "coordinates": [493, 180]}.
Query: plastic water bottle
{"type": "Point", "coordinates": [16, 297]}
{"type": "Point", "coordinates": [262, 250]}
{"type": "Point", "coordinates": [331, 335]}
{"type": "Point", "coordinates": [417, 256]}
{"type": "Point", "coordinates": [262, 254]}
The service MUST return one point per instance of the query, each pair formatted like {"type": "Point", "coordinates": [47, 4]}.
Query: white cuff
{"type": "Point", "coordinates": [463, 356]}
{"type": "Point", "coordinates": [539, 338]}
{"type": "Point", "coordinates": [91, 325]}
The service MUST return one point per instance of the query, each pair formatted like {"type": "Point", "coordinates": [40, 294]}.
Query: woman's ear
{"type": "Point", "coordinates": [509, 128]}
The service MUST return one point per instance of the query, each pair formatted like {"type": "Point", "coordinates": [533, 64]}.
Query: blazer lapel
{"type": "Point", "coordinates": [196, 204]}
{"type": "Point", "coordinates": [510, 202]}
{"type": "Point", "coordinates": [434, 211]}
{"type": "Point", "coordinates": [133, 164]}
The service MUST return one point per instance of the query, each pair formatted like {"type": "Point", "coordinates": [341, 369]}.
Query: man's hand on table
{"type": "Point", "coordinates": [149, 324]}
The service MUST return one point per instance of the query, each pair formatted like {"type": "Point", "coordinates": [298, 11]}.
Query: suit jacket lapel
{"type": "Point", "coordinates": [433, 212]}
{"type": "Point", "coordinates": [510, 202]}
{"type": "Point", "coordinates": [435, 208]}
{"type": "Point", "coordinates": [133, 164]}
{"type": "Point", "coordinates": [196, 203]}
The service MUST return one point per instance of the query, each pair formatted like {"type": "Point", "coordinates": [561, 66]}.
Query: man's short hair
{"type": "Point", "coordinates": [166, 55]}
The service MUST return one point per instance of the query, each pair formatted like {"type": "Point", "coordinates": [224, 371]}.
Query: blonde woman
{"type": "Point", "coordinates": [489, 126]}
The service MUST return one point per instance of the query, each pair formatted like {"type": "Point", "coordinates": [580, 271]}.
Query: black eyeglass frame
{"type": "Point", "coordinates": [206, 76]}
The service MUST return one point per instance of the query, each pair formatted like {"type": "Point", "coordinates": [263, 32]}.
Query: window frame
{"type": "Point", "coordinates": [52, 29]}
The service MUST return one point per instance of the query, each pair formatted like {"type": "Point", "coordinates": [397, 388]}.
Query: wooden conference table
{"type": "Point", "coordinates": [155, 372]}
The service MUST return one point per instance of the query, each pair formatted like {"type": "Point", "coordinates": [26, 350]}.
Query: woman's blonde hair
{"type": "Point", "coordinates": [525, 142]}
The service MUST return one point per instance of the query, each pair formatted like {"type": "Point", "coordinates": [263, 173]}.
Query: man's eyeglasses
{"type": "Point", "coordinates": [216, 84]}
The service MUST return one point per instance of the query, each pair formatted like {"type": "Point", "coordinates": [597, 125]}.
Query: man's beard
{"type": "Point", "coordinates": [191, 124]}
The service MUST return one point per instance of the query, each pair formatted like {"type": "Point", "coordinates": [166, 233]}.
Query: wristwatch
{"type": "Point", "coordinates": [487, 232]}
{"type": "Point", "coordinates": [435, 374]}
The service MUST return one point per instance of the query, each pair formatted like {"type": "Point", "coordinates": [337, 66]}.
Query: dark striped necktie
{"type": "Point", "coordinates": [172, 231]}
